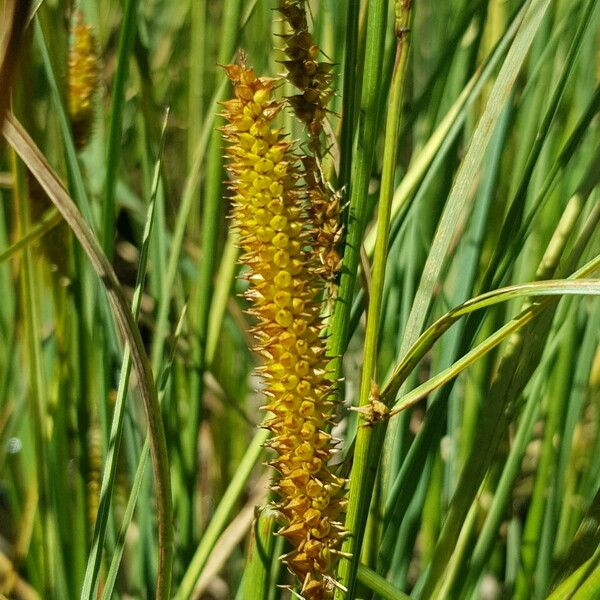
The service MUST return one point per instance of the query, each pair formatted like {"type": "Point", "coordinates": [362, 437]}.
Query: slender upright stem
{"type": "Point", "coordinates": [362, 471]}
{"type": "Point", "coordinates": [128, 32]}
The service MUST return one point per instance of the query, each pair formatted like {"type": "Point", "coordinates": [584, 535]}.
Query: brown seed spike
{"type": "Point", "coordinates": [313, 79]}
{"type": "Point", "coordinates": [277, 237]}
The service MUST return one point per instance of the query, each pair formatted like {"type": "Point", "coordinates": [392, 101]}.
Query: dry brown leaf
{"type": "Point", "coordinates": [13, 14]}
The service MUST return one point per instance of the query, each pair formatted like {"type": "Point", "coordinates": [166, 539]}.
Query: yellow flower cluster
{"type": "Point", "coordinates": [276, 236]}
{"type": "Point", "coordinates": [83, 78]}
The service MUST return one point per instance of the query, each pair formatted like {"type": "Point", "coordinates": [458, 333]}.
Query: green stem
{"type": "Point", "coordinates": [211, 226]}
{"type": "Point", "coordinates": [113, 151]}
{"type": "Point", "coordinates": [349, 92]}
{"type": "Point", "coordinates": [368, 126]}
{"type": "Point", "coordinates": [362, 471]}
{"type": "Point", "coordinates": [37, 385]}
{"type": "Point", "coordinates": [256, 582]}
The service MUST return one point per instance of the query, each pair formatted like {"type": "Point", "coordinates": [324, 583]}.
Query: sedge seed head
{"type": "Point", "coordinates": [83, 78]}
{"type": "Point", "coordinates": [276, 236]}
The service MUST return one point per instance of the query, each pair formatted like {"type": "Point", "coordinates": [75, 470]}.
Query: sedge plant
{"type": "Point", "coordinates": [299, 299]}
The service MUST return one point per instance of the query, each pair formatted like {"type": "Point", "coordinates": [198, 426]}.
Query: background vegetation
{"type": "Point", "coordinates": [122, 470]}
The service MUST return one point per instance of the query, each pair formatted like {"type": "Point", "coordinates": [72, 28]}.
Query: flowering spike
{"type": "Point", "coordinates": [83, 79]}
{"type": "Point", "coordinates": [276, 236]}
{"type": "Point", "coordinates": [313, 79]}
{"type": "Point", "coordinates": [310, 75]}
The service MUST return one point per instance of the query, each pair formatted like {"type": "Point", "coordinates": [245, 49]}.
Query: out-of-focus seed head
{"type": "Point", "coordinates": [83, 78]}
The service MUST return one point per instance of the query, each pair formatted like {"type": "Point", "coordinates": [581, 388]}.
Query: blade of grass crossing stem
{"type": "Point", "coordinates": [35, 161]}
{"type": "Point", "coordinates": [590, 287]}
{"type": "Point", "coordinates": [211, 221]}
{"type": "Point", "coordinates": [113, 150]}
{"type": "Point", "coordinates": [92, 570]}
{"type": "Point", "coordinates": [458, 201]}
{"type": "Point", "coordinates": [49, 221]}
{"type": "Point", "coordinates": [376, 583]}
{"type": "Point", "coordinates": [359, 493]}
{"type": "Point", "coordinates": [427, 339]}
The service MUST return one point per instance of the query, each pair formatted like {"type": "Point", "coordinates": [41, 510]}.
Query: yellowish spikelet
{"type": "Point", "coordinates": [94, 441]}
{"type": "Point", "coordinates": [313, 78]}
{"type": "Point", "coordinates": [83, 79]}
{"type": "Point", "coordinates": [269, 209]}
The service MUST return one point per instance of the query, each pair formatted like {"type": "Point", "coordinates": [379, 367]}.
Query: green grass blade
{"type": "Point", "coordinates": [221, 514]}
{"type": "Point", "coordinates": [458, 202]}
{"type": "Point", "coordinates": [92, 572]}
{"type": "Point", "coordinates": [379, 585]}
{"type": "Point", "coordinates": [48, 222]}
{"type": "Point", "coordinates": [359, 494]}
{"type": "Point", "coordinates": [30, 154]}
{"type": "Point", "coordinates": [113, 150]}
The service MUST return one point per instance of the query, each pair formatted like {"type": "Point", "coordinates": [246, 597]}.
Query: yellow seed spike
{"type": "Point", "coordinates": [83, 78]}
{"type": "Point", "coordinates": [278, 243]}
